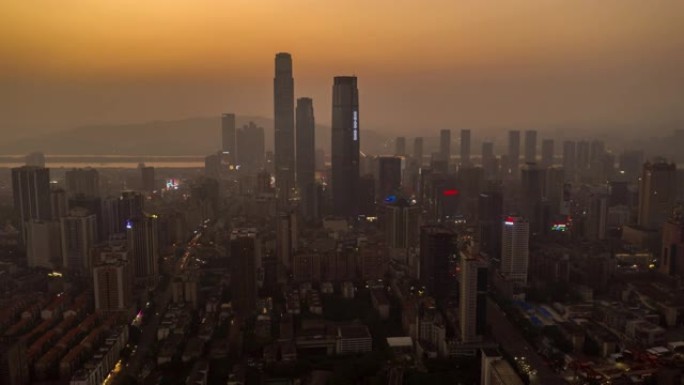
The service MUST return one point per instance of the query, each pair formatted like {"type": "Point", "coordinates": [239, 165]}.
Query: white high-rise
{"type": "Point", "coordinates": [515, 250]}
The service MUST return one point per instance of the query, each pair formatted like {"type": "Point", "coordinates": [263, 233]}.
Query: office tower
{"type": "Point", "coordinates": [35, 159]}
{"type": "Point", "coordinates": [583, 158]}
{"type": "Point", "coordinates": [473, 298]}
{"type": "Point", "coordinates": [212, 166]}
{"type": "Point", "coordinates": [400, 146]}
{"type": "Point", "coordinates": [438, 245]}
{"type": "Point", "coordinates": [530, 146]}
{"type": "Point", "coordinates": [418, 151]}
{"type": "Point", "coordinates": [287, 238]}
{"type": "Point", "coordinates": [345, 145]}
{"type": "Point", "coordinates": [597, 218]}
{"type": "Point", "coordinates": [547, 153]}
{"type": "Point", "coordinates": [283, 99]}
{"type": "Point", "coordinates": [92, 205]}
{"type": "Point", "coordinates": [401, 221]}
{"type": "Point", "coordinates": [31, 191]}
{"type": "Point", "coordinates": [465, 148]}
{"type": "Point", "coordinates": [389, 176]}
{"type": "Point", "coordinates": [657, 193]}
{"type": "Point", "coordinates": [147, 181]}
{"type": "Point", "coordinates": [553, 191]}
{"type": "Point", "coordinates": [229, 137]}
{"type": "Point", "coordinates": [596, 151]}
{"type": "Point", "coordinates": [490, 212]}
{"type": "Point", "coordinates": [79, 234]}
{"type": "Point", "coordinates": [488, 160]}
{"type": "Point", "coordinates": [113, 284]}
{"type": "Point", "coordinates": [570, 158]}
{"type": "Point", "coordinates": [306, 156]}
{"type": "Point", "coordinates": [672, 255]}
{"type": "Point", "coordinates": [82, 181]}
{"type": "Point", "coordinates": [251, 148]}
{"type": "Point", "coordinates": [532, 193]}
{"type": "Point", "coordinates": [445, 146]}
{"type": "Point", "coordinates": [59, 205]}
{"type": "Point", "coordinates": [131, 205]}
{"type": "Point", "coordinates": [515, 238]}
{"type": "Point", "coordinates": [43, 243]}
{"type": "Point", "coordinates": [110, 218]}
{"type": "Point", "coordinates": [245, 256]}
{"type": "Point", "coordinates": [14, 364]}
{"type": "Point", "coordinates": [630, 163]}
{"type": "Point", "coordinates": [513, 168]}
{"type": "Point", "coordinates": [142, 237]}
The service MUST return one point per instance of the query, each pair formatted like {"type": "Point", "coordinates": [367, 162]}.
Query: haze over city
{"type": "Point", "coordinates": [492, 66]}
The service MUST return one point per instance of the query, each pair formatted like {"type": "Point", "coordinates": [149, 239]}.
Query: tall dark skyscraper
{"type": "Point", "coordinates": [389, 176]}
{"type": "Point", "coordinates": [513, 154]}
{"type": "Point", "coordinates": [547, 153]}
{"type": "Point", "coordinates": [569, 159]}
{"type": "Point", "coordinates": [465, 148]}
{"type": "Point", "coordinates": [82, 181]}
{"type": "Point", "coordinates": [418, 150]}
{"type": "Point", "coordinates": [530, 146]}
{"type": "Point", "coordinates": [445, 145]}
{"type": "Point", "coordinates": [306, 155]}
{"type": "Point", "coordinates": [345, 145]}
{"type": "Point", "coordinates": [283, 100]}
{"type": "Point", "coordinates": [142, 235]}
{"type": "Point", "coordinates": [31, 190]}
{"type": "Point", "coordinates": [245, 260]}
{"type": "Point", "coordinates": [488, 160]}
{"type": "Point", "coordinates": [400, 146]}
{"type": "Point", "coordinates": [251, 147]}
{"type": "Point", "coordinates": [228, 137]}
{"type": "Point", "coordinates": [438, 245]}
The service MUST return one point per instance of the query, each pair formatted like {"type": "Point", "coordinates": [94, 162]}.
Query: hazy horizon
{"type": "Point", "coordinates": [437, 64]}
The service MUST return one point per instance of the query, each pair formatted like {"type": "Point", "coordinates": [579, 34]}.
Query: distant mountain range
{"type": "Point", "coordinates": [192, 136]}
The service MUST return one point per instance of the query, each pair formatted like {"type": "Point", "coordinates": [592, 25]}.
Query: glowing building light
{"type": "Point", "coordinates": [450, 192]}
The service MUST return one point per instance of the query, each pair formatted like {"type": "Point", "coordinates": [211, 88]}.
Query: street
{"type": "Point", "coordinates": [512, 341]}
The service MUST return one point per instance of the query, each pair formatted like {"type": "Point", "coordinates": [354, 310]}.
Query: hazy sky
{"type": "Point", "coordinates": [425, 64]}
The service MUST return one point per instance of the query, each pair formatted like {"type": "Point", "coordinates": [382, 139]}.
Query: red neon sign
{"type": "Point", "coordinates": [450, 192]}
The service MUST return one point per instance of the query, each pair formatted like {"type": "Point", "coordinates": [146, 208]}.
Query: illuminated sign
{"type": "Point", "coordinates": [172, 184]}
{"type": "Point", "coordinates": [509, 223]}
{"type": "Point", "coordinates": [391, 198]}
{"type": "Point", "coordinates": [562, 227]}
{"type": "Point", "coordinates": [356, 125]}
{"type": "Point", "coordinates": [450, 192]}
{"type": "Point", "coordinates": [129, 225]}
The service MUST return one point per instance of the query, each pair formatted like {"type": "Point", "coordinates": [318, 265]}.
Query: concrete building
{"type": "Point", "coordinates": [79, 232]}
{"type": "Point", "coordinates": [473, 298]}
{"type": "Point", "coordinates": [43, 244]}
{"type": "Point", "coordinates": [657, 193]}
{"type": "Point", "coordinates": [345, 145]}
{"type": "Point", "coordinates": [515, 251]}
{"type": "Point", "coordinates": [113, 285]}
{"type": "Point", "coordinates": [284, 125]}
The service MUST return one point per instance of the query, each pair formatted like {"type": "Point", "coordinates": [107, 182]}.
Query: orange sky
{"type": "Point", "coordinates": [459, 62]}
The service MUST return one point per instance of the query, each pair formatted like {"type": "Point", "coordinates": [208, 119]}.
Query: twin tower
{"type": "Point", "coordinates": [295, 140]}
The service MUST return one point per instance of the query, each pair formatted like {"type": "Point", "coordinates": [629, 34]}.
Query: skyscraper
{"type": "Point", "coordinates": [400, 146]}
{"type": "Point", "coordinates": [112, 283]}
{"type": "Point", "coordinates": [79, 233]}
{"type": "Point", "coordinates": [147, 181]}
{"type": "Point", "coordinates": [245, 255]}
{"type": "Point", "coordinates": [569, 159]}
{"type": "Point", "coordinates": [465, 148]}
{"type": "Point", "coordinates": [657, 193]}
{"type": "Point", "coordinates": [488, 160]}
{"type": "Point", "coordinates": [438, 245]}
{"type": "Point", "coordinates": [533, 185]}
{"type": "Point", "coordinates": [490, 212]}
{"type": "Point", "coordinates": [31, 190]}
{"type": "Point", "coordinates": [389, 176]}
{"type": "Point", "coordinates": [306, 156]}
{"type": "Point", "coordinates": [547, 151]}
{"type": "Point", "coordinates": [513, 154]}
{"type": "Point", "coordinates": [401, 222]}
{"type": "Point", "coordinates": [445, 145]}
{"type": "Point", "coordinates": [228, 137]}
{"type": "Point", "coordinates": [473, 298]}
{"type": "Point", "coordinates": [82, 181]}
{"type": "Point", "coordinates": [530, 146]}
{"type": "Point", "coordinates": [418, 151]}
{"type": "Point", "coordinates": [43, 245]}
{"type": "Point", "coordinates": [142, 235]}
{"type": "Point", "coordinates": [283, 90]}
{"type": "Point", "coordinates": [251, 147]}
{"type": "Point", "coordinates": [672, 255]}
{"type": "Point", "coordinates": [345, 145]}
{"type": "Point", "coordinates": [515, 251]}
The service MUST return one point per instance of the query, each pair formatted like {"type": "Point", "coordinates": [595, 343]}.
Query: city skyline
{"type": "Point", "coordinates": [557, 63]}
